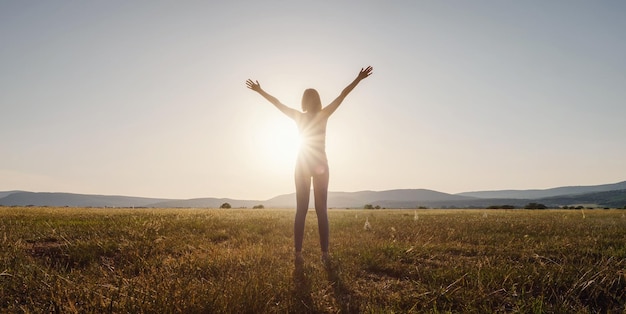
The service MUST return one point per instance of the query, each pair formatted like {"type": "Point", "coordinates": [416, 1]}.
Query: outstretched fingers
{"type": "Point", "coordinates": [253, 85]}
{"type": "Point", "coordinates": [365, 72]}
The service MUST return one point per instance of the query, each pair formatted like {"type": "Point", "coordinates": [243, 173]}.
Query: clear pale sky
{"type": "Point", "coordinates": [147, 98]}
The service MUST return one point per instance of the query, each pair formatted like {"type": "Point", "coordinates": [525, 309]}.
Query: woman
{"type": "Point", "coordinates": [311, 163]}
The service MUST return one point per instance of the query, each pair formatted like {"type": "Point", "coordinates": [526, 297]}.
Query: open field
{"type": "Point", "coordinates": [241, 260]}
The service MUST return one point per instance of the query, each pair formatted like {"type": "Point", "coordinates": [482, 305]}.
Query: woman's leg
{"type": "Point", "coordinates": [320, 188]}
{"type": "Point", "coordinates": [303, 190]}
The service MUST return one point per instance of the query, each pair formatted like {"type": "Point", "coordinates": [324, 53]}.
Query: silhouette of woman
{"type": "Point", "coordinates": [311, 162]}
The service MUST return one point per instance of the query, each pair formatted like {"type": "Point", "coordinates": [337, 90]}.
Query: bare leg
{"type": "Point", "coordinates": [320, 187]}
{"type": "Point", "coordinates": [303, 190]}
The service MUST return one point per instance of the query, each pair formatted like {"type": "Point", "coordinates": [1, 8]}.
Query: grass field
{"type": "Point", "coordinates": [241, 261]}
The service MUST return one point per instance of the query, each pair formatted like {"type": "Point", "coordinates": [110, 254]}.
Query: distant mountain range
{"type": "Point", "coordinates": [536, 194]}
{"type": "Point", "coordinates": [606, 195]}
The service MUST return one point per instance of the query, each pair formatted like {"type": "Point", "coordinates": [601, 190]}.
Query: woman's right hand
{"type": "Point", "coordinates": [365, 72]}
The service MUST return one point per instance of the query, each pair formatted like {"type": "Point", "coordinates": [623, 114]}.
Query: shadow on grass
{"type": "Point", "coordinates": [342, 293]}
{"type": "Point", "coordinates": [303, 303]}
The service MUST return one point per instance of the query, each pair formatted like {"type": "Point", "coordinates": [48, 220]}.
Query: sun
{"type": "Point", "coordinates": [277, 141]}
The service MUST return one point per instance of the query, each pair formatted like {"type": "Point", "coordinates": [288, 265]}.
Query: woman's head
{"type": "Point", "coordinates": [311, 101]}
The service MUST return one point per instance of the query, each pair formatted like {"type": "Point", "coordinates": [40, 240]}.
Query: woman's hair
{"type": "Point", "coordinates": [311, 101]}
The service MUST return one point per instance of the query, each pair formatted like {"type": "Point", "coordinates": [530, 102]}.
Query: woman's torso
{"type": "Point", "coordinates": [312, 128]}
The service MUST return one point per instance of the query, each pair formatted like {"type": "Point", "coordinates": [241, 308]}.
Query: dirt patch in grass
{"type": "Point", "coordinates": [48, 247]}
{"type": "Point", "coordinates": [64, 256]}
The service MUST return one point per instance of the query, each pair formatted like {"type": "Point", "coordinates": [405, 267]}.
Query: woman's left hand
{"type": "Point", "coordinates": [255, 86]}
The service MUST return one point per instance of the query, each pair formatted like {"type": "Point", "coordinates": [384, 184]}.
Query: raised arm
{"type": "Point", "coordinates": [255, 86]}
{"type": "Point", "coordinates": [364, 73]}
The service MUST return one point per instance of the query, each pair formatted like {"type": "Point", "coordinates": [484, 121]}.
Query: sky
{"type": "Point", "coordinates": [148, 98]}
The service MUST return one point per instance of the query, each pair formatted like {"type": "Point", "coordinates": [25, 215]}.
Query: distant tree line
{"type": "Point", "coordinates": [501, 207]}
{"type": "Point", "coordinates": [573, 207]}
{"type": "Point", "coordinates": [370, 206]}
{"type": "Point", "coordinates": [535, 206]}
{"type": "Point", "coordinates": [527, 206]}
{"type": "Point", "coordinates": [227, 205]}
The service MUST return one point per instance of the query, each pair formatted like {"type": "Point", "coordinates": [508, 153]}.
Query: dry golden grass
{"type": "Point", "coordinates": [241, 261]}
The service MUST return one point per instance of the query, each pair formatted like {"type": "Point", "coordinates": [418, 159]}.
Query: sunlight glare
{"type": "Point", "coordinates": [278, 141]}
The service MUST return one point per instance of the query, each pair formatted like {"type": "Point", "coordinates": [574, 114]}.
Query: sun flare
{"type": "Point", "coordinates": [278, 140]}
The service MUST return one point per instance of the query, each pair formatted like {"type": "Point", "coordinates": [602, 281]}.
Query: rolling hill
{"type": "Point", "coordinates": [607, 195]}
{"type": "Point", "coordinates": [359, 199]}
{"type": "Point", "coordinates": [537, 194]}
{"type": "Point", "coordinates": [74, 200]}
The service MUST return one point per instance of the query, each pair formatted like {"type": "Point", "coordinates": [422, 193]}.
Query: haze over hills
{"type": "Point", "coordinates": [611, 195]}
{"type": "Point", "coordinates": [358, 199]}
{"type": "Point", "coordinates": [19, 198]}
{"type": "Point", "coordinates": [3, 194]}
{"type": "Point", "coordinates": [536, 194]}
{"type": "Point", "coordinates": [207, 202]}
